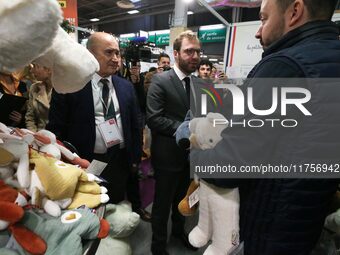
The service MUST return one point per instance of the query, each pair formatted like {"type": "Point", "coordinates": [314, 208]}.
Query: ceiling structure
{"type": "Point", "coordinates": [110, 15]}
{"type": "Point", "coordinates": [107, 11]}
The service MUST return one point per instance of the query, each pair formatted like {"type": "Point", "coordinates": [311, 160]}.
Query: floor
{"type": "Point", "coordinates": [140, 240]}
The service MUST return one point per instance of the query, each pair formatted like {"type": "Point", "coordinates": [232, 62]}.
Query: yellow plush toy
{"type": "Point", "coordinates": [62, 185]}
{"type": "Point", "coordinates": [5, 157]}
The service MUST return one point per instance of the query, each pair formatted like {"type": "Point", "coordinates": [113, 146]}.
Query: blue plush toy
{"type": "Point", "coordinates": [183, 133]}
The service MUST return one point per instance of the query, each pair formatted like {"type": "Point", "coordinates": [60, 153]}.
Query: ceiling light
{"type": "Point", "coordinates": [135, 1]}
{"type": "Point", "coordinates": [213, 59]}
{"type": "Point", "coordinates": [125, 4]}
{"type": "Point", "coordinates": [133, 12]}
{"type": "Point", "coordinates": [190, 12]}
{"type": "Point", "coordinates": [188, 1]}
{"type": "Point", "coordinates": [94, 19]}
{"type": "Point", "coordinates": [127, 35]}
{"type": "Point", "coordinates": [160, 32]}
{"type": "Point", "coordinates": [209, 27]}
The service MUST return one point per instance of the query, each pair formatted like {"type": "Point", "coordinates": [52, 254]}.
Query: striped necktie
{"type": "Point", "coordinates": [109, 110]}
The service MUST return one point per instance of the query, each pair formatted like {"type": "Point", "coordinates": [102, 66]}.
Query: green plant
{"type": "Point", "coordinates": [66, 25]}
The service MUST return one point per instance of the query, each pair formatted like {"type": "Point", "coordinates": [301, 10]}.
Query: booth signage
{"type": "Point", "coordinates": [213, 35]}
{"type": "Point", "coordinates": [124, 41]}
{"type": "Point", "coordinates": [70, 11]}
{"type": "Point", "coordinates": [159, 39]}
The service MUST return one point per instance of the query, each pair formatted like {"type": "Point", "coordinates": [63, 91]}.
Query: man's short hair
{"type": "Point", "coordinates": [205, 62]}
{"type": "Point", "coordinates": [93, 40]}
{"type": "Point", "coordinates": [162, 55]}
{"type": "Point", "coordinates": [317, 9]}
{"type": "Point", "coordinates": [186, 34]}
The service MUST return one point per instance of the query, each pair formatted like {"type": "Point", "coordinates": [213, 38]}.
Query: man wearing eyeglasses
{"type": "Point", "coordinates": [168, 101]}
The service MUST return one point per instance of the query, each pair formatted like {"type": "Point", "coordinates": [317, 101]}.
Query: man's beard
{"type": "Point", "coordinates": [186, 67]}
{"type": "Point", "coordinates": [276, 36]}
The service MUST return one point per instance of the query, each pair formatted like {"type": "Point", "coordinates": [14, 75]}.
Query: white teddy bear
{"type": "Point", "coordinates": [72, 64]}
{"type": "Point", "coordinates": [30, 31]}
{"type": "Point", "coordinates": [27, 30]}
{"type": "Point", "coordinates": [219, 207]}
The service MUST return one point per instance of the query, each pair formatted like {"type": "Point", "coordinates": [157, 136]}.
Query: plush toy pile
{"type": "Point", "coordinates": [41, 218]}
{"type": "Point", "coordinates": [38, 166]}
{"type": "Point", "coordinates": [218, 207]}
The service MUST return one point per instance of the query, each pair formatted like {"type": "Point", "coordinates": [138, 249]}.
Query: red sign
{"type": "Point", "coordinates": [69, 8]}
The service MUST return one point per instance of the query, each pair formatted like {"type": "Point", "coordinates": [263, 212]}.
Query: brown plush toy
{"type": "Point", "coordinates": [11, 213]}
{"type": "Point", "coordinates": [183, 206]}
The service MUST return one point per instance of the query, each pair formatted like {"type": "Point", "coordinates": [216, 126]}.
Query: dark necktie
{"type": "Point", "coordinates": [108, 113]}
{"type": "Point", "coordinates": [187, 87]}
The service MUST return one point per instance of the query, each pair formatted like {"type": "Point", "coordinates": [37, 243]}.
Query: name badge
{"type": "Point", "coordinates": [110, 132]}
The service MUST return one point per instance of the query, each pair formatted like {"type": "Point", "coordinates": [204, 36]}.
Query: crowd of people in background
{"type": "Point", "coordinates": [34, 83]}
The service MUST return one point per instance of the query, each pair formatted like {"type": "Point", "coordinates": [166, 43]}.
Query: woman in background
{"type": "Point", "coordinates": [39, 99]}
{"type": "Point", "coordinates": [10, 84]}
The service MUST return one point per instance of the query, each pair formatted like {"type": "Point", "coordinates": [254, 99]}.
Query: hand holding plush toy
{"type": "Point", "coordinates": [219, 208]}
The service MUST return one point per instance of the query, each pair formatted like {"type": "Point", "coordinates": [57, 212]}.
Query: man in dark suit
{"type": "Point", "coordinates": [107, 102]}
{"type": "Point", "coordinates": [167, 105]}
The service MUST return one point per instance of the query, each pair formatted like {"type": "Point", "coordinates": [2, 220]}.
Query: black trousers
{"type": "Point", "coordinates": [170, 189]}
{"type": "Point", "coordinates": [116, 172]}
{"type": "Point", "coordinates": [133, 193]}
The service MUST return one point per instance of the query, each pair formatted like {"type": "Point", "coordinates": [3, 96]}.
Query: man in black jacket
{"type": "Point", "coordinates": [285, 216]}
{"type": "Point", "coordinates": [106, 105]}
{"type": "Point", "coordinates": [167, 104]}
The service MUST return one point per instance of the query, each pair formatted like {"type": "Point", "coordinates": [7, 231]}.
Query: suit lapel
{"type": "Point", "coordinates": [88, 98]}
{"type": "Point", "coordinates": [178, 85]}
{"type": "Point", "coordinates": [121, 97]}
{"type": "Point", "coordinates": [118, 89]}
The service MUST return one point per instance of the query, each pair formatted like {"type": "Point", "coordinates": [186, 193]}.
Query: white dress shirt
{"type": "Point", "coordinates": [181, 76]}
{"type": "Point", "coordinates": [97, 88]}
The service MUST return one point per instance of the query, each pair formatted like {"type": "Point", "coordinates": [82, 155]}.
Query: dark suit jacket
{"type": "Point", "coordinates": [167, 105]}
{"type": "Point", "coordinates": [72, 118]}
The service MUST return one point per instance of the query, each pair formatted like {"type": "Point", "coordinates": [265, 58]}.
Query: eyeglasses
{"type": "Point", "coordinates": [191, 52]}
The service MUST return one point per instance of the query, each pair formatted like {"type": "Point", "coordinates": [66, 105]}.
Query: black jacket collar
{"type": "Point", "coordinates": [309, 31]}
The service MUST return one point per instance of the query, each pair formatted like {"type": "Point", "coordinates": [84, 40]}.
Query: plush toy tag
{"type": "Point", "coordinates": [194, 198]}
{"type": "Point", "coordinates": [96, 167]}
{"type": "Point", "coordinates": [110, 132]}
